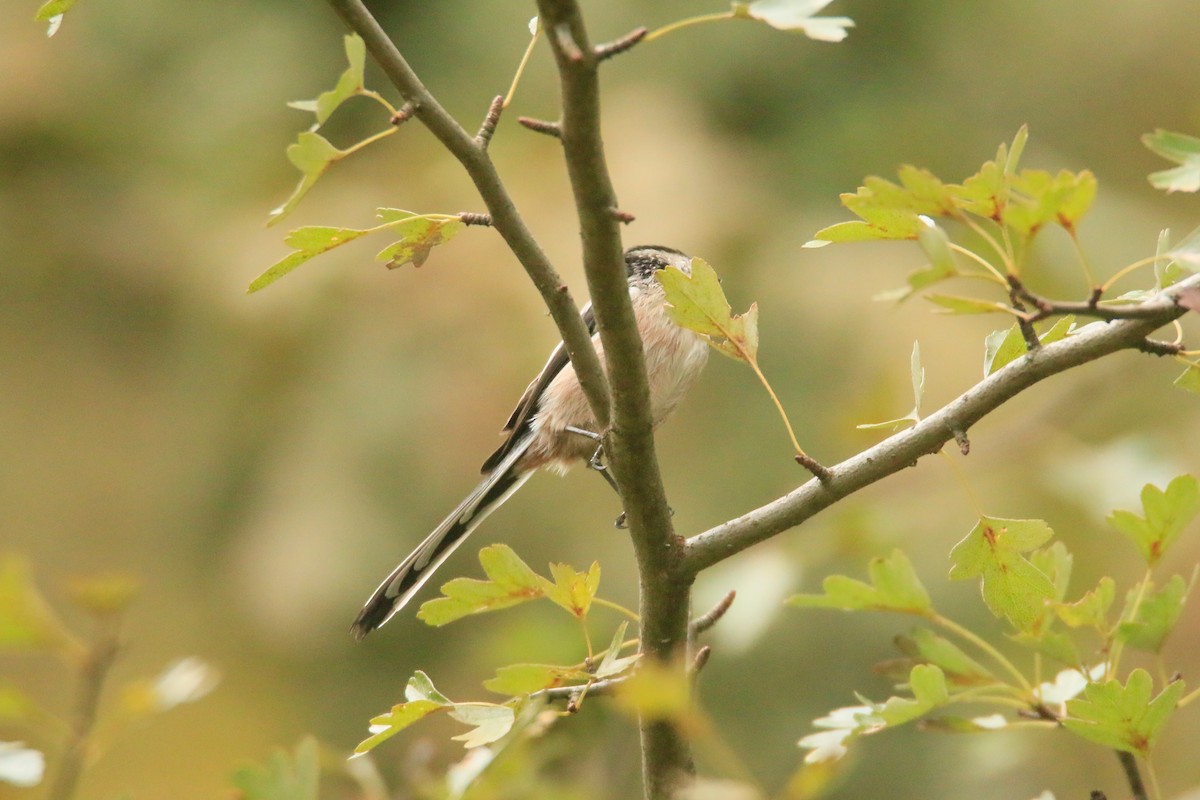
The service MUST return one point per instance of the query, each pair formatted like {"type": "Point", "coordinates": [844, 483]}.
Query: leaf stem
{"type": "Point", "coordinates": [993, 274]}
{"type": "Point", "coordinates": [512, 90]}
{"type": "Point", "coordinates": [1114, 656]}
{"type": "Point", "coordinates": [964, 481]}
{"type": "Point", "coordinates": [984, 646]}
{"type": "Point", "coordinates": [753, 361]}
{"type": "Point", "coordinates": [687, 23]}
{"type": "Point", "coordinates": [377, 97]}
{"type": "Point", "coordinates": [354, 148]}
{"type": "Point", "coordinates": [987, 237]}
{"type": "Point", "coordinates": [1188, 698]}
{"type": "Point", "coordinates": [620, 609]}
{"type": "Point", "coordinates": [1123, 271]}
{"type": "Point", "coordinates": [1088, 274]}
{"type": "Point", "coordinates": [94, 672]}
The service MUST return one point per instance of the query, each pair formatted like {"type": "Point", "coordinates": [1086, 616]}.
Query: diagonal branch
{"type": "Point", "coordinates": [474, 158]}
{"type": "Point", "coordinates": [928, 436]}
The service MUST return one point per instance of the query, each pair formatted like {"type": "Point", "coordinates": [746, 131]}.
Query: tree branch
{"type": "Point", "coordinates": [505, 218]}
{"type": "Point", "coordinates": [928, 436]}
{"type": "Point", "coordinates": [666, 757]}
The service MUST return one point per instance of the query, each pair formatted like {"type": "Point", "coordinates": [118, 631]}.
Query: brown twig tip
{"type": "Point", "coordinates": [705, 621]}
{"type": "Point", "coordinates": [623, 217]}
{"type": "Point", "coordinates": [618, 46]}
{"type": "Point", "coordinates": [812, 465]}
{"type": "Point", "coordinates": [1094, 298]}
{"type": "Point", "coordinates": [541, 126]}
{"type": "Point", "coordinates": [474, 218]}
{"type": "Point", "coordinates": [960, 438]}
{"type": "Point", "coordinates": [566, 42]}
{"type": "Point", "coordinates": [700, 659]}
{"type": "Point", "coordinates": [490, 121]}
{"type": "Point", "coordinates": [404, 113]}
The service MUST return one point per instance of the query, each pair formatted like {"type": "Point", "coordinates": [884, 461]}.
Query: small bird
{"type": "Point", "coordinates": [553, 426]}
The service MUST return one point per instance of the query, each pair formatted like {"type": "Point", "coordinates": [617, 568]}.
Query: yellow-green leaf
{"type": "Point", "coordinates": [1165, 515]}
{"type": "Point", "coordinates": [572, 590]}
{"type": "Point", "coordinates": [308, 243]}
{"type": "Point", "coordinates": [312, 154]}
{"type": "Point", "coordinates": [894, 586]}
{"type": "Point", "coordinates": [418, 235]}
{"type": "Point", "coordinates": [349, 84]}
{"type": "Point", "coordinates": [1012, 586]}
{"type": "Point", "coordinates": [510, 582]}
{"type": "Point", "coordinates": [698, 303]}
{"type": "Point", "coordinates": [1123, 717]}
{"type": "Point", "coordinates": [1183, 150]}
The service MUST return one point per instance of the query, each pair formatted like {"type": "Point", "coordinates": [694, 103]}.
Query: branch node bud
{"type": "Point", "coordinates": [541, 126]}
{"type": "Point", "coordinates": [618, 46]}
{"type": "Point", "coordinates": [489, 122]}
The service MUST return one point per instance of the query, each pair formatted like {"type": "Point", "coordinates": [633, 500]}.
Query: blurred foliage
{"type": "Point", "coordinates": [259, 460]}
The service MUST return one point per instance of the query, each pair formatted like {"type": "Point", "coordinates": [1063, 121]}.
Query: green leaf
{"type": "Point", "coordinates": [1001, 348]}
{"type": "Point", "coordinates": [1166, 514]}
{"type": "Point", "coordinates": [419, 235]}
{"type": "Point", "coordinates": [420, 687]}
{"type": "Point", "coordinates": [349, 84]}
{"type": "Point", "coordinates": [959, 668]}
{"type": "Point", "coordinates": [966, 305]}
{"type": "Point", "coordinates": [510, 582]}
{"type": "Point", "coordinates": [27, 622]}
{"type": "Point", "coordinates": [894, 587]}
{"type": "Point", "coordinates": [1091, 610]}
{"type": "Point", "coordinates": [488, 722]}
{"type": "Point", "coordinates": [283, 777]}
{"type": "Point", "coordinates": [1156, 615]}
{"type": "Point", "coordinates": [312, 154]}
{"type": "Point", "coordinates": [52, 12]}
{"type": "Point", "coordinates": [308, 243]}
{"type": "Point", "coordinates": [1055, 562]}
{"type": "Point", "coordinates": [1037, 198]}
{"type": "Point", "coordinates": [1183, 150]}
{"type": "Point", "coordinates": [1123, 717]}
{"type": "Point", "coordinates": [928, 685]}
{"type": "Point", "coordinates": [385, 726]}
{"type": "Point", "coordinates": [698, 303]}
{"type": "Point", "coordinates": [572, 590]}
{"type": "Point", "coordinates": [917, 374]}
{"type": "Point", "coordinates": [613, 663]}
{"type": "Point", "coordinates": [1050, 643]}
{"type": "Point", "coordinates": [799, 16]}
{"type": "Point", "coordinates": [1013, 587]}
{"type": "Point", "coordinates": [1189, 379]}
{"type": "Point", "coordinates": [521, 679]}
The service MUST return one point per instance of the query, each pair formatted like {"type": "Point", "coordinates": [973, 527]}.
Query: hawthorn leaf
{"type": "Point", "coordinates": [928, 685]}
{"type": "Point", "coordinates": [349, 84]}
{"type": "Point", "coordinates": [1186, 251]}
{"type": "Point", "coordinates": [1189, 379]}
{"type": "Point", "coordinates": [917, 374]}
{"type": "Point", "coordinates": [419, 235]}
{"type": "Point", "coordinates": [52, 13]}
{"type": "Point", "coordinates": [488, 722]}
{"type": "Point", "coordinates": [1156, 614]}
{"type": "Point", "coordinates": [510, 582]}
{"type": "Point", "coordinates": [1012, 586]}
{"type": "Point", "coordinates": [1183, 150]}
{"type": "Point", "coordinates": [1125, 717]}
{"type": "Point", "coordinates": [1001, 348]}
{"type": "Point", "coordinates": [312, 154]}
{"type": "Point", "coordinates": [953, 304]}
{"type": "Point", "coordinates": [894, 586]}
{"type": "Point", "coordinates": [953, 724]}
{"type": "Point", "coordinates": [613, 663]}
{"type": "Point", "coordinates": [959, 668]}
{"type": "Point", "coordinates": [385, 726]}
{"type": "Point", "coordinates": [1165, 515]}
{"type": "Point", "coordinates": [1091, 610]}
{"type": "Point", "coordinates": [798, 15]}
{"type": "Point", "coordinates": [572, 590]}
{"type": "Point", "coordinates": [420, 687]}
{"type": "Point", "coordinates": [1049, 643]}
{"type": "Point", "coordinates": [698, 303]}
{"type": "Point", "coordinates": [1055, 562]}
{"type": "Point", "coordinates": [307, 243]}
{"type": "Point", "coordinates": [284, 776]}
{"type": "Point", "coordinates": [521, 679]}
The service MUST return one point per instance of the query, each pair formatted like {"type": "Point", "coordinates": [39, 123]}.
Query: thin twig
{"type": "Point", "coordinates": [705, 621]}
{"type": "Point", "coordinates": [474, 218]}
{"type": "Point", "coordinates": [541, 126]}
{"type": "Point", "coordinates": [93, 674]}
{"type": "Point", "coordinates": [903, 449]}
{"type": "Point", "coordinates": [404, 113]}
{"type": "Point", "coordinates": [618, 46]}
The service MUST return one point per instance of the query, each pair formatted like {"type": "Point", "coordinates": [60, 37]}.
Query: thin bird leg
{"type": "Point", "coordinates": [596, 464]}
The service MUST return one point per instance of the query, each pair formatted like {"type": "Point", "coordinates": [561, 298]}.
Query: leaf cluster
{"type": "Point", "coordinates": [1024, 580]}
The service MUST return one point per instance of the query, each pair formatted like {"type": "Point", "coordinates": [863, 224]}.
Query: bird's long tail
{"type": "Point", "coordinates": [399, 587]}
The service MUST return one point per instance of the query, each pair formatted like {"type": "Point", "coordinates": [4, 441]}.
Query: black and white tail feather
{"type": "Point", "coordinates": [407, 578]}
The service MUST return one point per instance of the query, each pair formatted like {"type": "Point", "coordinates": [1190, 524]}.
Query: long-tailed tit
{"type": "Point", "coordinates": [553, 426]}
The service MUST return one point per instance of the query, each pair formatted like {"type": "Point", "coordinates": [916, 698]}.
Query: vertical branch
{"type": "Point", "coordinates": [665, 591]}
{"type": "Point", "coordinates": [93, 673]}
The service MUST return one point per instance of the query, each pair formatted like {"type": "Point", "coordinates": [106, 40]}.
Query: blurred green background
{"type": "Point", "coordinates": [262, 461]}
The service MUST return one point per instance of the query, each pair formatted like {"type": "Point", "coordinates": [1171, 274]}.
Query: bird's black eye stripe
{"type": "Point", "coordinates": [644, 260]}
